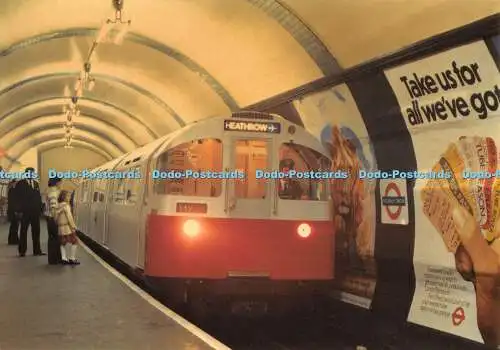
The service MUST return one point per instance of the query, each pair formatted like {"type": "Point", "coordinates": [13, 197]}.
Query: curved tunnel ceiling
{"type": "Point", "coordinates": [186, 60]}
{"type": "Point", "coordinates": [32, 132]}
{"type": "Point", "coordinates": [50, 134]}
{"type": "Point", "coordinates": [54, 144]}
{"type": "Point", "coordinates": [83, 122]}
{"type": "Point", "coordinates": [125, 121]}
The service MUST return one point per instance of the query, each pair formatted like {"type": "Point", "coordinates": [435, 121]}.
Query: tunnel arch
{"type": "Point", "coordinates": [85, 102]}
{"type": "Point", "coordinates": [77, 139]}
{"type": "Point", "coordinates": [49, 120]}
{"type": "Point", "coordinates": [57, 128]}
{"type": "Point", "coordinates": [35, 138]}
{"type": "Point", "coordinates": [141, 40]}
{"type": "Point", "coordinates": [54, 144]}
{"type": "Point", "coordinates": [109, 78]}
{"type": "Point", "coordinates": [301, 32]}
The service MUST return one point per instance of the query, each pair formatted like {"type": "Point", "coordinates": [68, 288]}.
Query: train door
{"type": "Point", "coordinates": [143, 215]}
{"type": "Point", "coordinates": [124, 219]}
{"type": "Point", "coordinates": [108, 201]}
{"type": "Point", "coordinates": [98, 211]}
{"type": "Point", "coordinates": [84, 207]}
{"type": "Point", "coordinates": [115, 205]}
{"type": "Point", "coordinates": [250, 197]}
{"type": "Point", "coordinates": [94, 209]}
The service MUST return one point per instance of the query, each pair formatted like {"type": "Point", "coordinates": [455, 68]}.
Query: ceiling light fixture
{"type": "Point", "coordinates": [68, 138]}
{"type": "Point", "coordinates": [86, 79]}
{"type": "Point", "coordinates": [118, 6]}
{"type": "Point", "coordinates": [119, 25]}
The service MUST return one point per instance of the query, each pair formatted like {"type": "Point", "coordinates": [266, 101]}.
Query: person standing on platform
{"type": "Point", "coordinates": [53, 250]}
{"type": "Point", "coordinates": [30, 204]}
{"type": "Point", "coordinates": [4, 184]}
{"type": "Point", "coordinates": [67, 229]}
{"type": "Point", "coordinates": [12, 213]}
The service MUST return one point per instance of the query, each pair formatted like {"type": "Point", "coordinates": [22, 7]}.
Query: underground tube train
{"type": "Point", "coordinates": [201, 224]}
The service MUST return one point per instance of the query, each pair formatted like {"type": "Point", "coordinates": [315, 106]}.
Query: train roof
{"type": "Point", "coordinates": [193, 131]}
{"type": "Point", "coordinates": [109, 165]}
{"type": "Point", "coordinates": [145, 151]}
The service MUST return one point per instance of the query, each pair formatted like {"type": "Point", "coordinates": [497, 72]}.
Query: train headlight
{"type": "Point", "coordinates": [191, 228]}
{"type": "Point", "coordinates": [304, 230]}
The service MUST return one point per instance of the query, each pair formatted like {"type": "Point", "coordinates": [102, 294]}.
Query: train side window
{"type": "Point", "coordinates": [119, 191]}
{"type": "Point", "coordinates": [82, 191]}
{"type": "Point", "coordinates": [102, 190]}
{"type": "Point", "coordinates": [97, 186]}
{"type": "Point", "coordinates": [107, 189]}
{"type": "Point", "coordinates": [204, 155]}
{"type": "Point", "coordinates": [85, 192]}
{"type": "Point", "coordinates": [132, 188]}
{"type": "Point", "coordinates": [303, 160]}
{"type": "Point", "coordinates": [96, 196]}
{"type": "Point", "coordinates": [251, 155]}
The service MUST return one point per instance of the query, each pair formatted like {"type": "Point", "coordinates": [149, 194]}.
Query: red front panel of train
{"type": "Point", "coordinates": [238, 246]}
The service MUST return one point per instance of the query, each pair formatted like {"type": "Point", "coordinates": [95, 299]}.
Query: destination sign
{"type": "Point", "coordinates": [267, 127]}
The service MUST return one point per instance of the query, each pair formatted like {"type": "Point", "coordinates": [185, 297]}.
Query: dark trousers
{"type": "Point", "coordinates": [52, 228]}
{"type": "Point", "coordinates": [13, 230]}
{"type": "Point", "coordinates": [33, 221]}
{"type": "Point", "coordinates": [53, 243]}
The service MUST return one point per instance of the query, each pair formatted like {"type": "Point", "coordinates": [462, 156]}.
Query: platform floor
{"type": "Point", "coordinates": [46, 307]}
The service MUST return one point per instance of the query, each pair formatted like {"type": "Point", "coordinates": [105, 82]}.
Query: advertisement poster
{"type": "Point", "coordinates": [333, 116]}
{"type": "Point", "coordinates": [450, 103]}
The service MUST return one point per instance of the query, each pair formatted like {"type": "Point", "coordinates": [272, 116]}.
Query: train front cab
{"type": "Point", "coordinates": [245, 239]}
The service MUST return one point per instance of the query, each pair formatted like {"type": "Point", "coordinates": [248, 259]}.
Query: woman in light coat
{"type": "Point", "coordinates": [66, 229]}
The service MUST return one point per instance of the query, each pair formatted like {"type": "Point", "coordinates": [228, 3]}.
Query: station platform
{"type": "Point", "coordinates": [90, 306]}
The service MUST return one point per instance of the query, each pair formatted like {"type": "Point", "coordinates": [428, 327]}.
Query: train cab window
{"type": "Point", "coordinates": [251, 155]}
{"type": "Point", "coordinates": [204, 155]}
{"type": "Point", "coordinates": [303, 160]}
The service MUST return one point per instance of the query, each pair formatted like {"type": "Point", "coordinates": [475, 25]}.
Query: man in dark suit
{"type": "Point", "coordinates": [30, 206]}
{"type": "Point", "coordinates": [12, 213]}
{"type": "Point", "coordinates": [4, 183]}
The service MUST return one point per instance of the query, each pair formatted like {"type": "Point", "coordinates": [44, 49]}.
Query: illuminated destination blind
{"type": "Point", "coordinates": [267, 127]}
